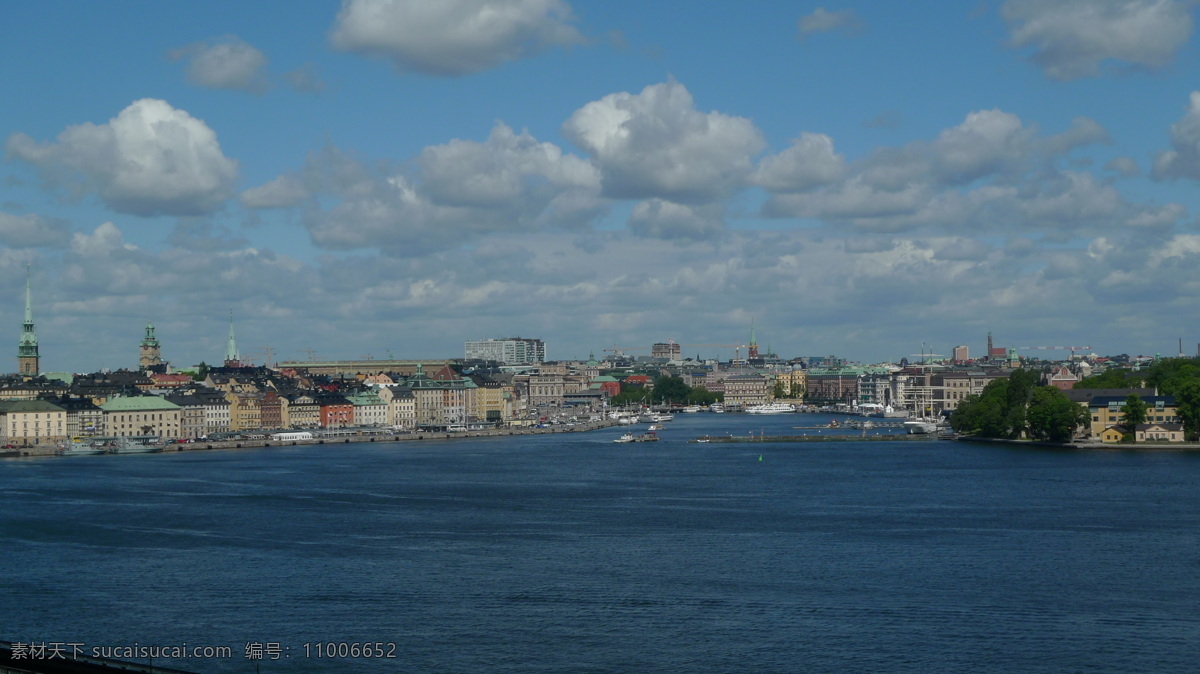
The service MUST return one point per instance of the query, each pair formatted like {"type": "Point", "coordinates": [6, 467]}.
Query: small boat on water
{"type": "Point", "coordinates": [716, 408]}
{"type": "Point", "coordinates": [643, 437]}
{"type": "Point", "coordinates": [691, 409]}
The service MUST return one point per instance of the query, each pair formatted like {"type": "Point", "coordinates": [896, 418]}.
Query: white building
{"type": "Point", "coordinates": [511, 351]}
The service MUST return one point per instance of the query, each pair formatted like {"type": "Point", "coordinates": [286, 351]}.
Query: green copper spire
{"type": "Point", "coordinates": [231, 351]}
{"type": "Point", "coordinates": [150, 340]}
{"type": "Point", "coordinates": [27, 347]}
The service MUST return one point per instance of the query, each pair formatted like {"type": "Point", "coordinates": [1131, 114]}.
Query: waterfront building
{"type": "Point", "coordinates": [84, 417]}
{"type": "Point", "coordinates": [546, 390]}
{"type": "Point", "coordinates": [142, 415]}
{"type": "Point", "coordinates": [747, 389]}
{"type": "Point", "coordinates": [245, 411]}
{"type": "Point", "coordinates": [1159, 432]}
{"type": "Point", "coordinates": [833, 385]}
{"type": "Point", "coordinates": [273, 411]}
{"type": "Point", "coordinates": [28, 358]}
{"type": "Point", "coordinates": [369, 408]}
{"type": "Point", "coordinates": [795, 383]}
{"type": "Point", "coordinates": [950, 387]}
{"type": "Point", "coordinates": [148, 356]}
{"type": "Point", "coordinates": [489, 401]}
{"type": "Point", "coordinates": [509, 351]}
{"type": "Point", "coordinates": [304, 411]}
{"type": "Point", "coordinates": [31, 422]}
{"type": "Point", "coordinates": [336, 411]}
{"type": "Point", "coordinates": [191, 414]}
{"type": "Point", "coordinates": [402, 408]}
{"type": "Point", "coordinates": [1106, 411]}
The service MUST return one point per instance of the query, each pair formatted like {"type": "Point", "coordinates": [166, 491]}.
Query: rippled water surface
{"type": "Point", "coordinates": [572, 553]}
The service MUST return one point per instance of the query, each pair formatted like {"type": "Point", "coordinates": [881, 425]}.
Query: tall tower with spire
{"type": "Point", "coordinates": [232, 358]}
{"type": "Point", "coordinates": [149, 356]}
{"type": "Point", "coordinates": [753, 353]}
{"type": "Point", "coordinates": [28, 361]}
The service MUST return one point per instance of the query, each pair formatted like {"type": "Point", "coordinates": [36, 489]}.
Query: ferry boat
{"type": "Point", "coordinates": [771, 408]}
{"type": "Point", "coordinates": [716, 408]}
{"type": "Point", "coordinates": [644, 437]}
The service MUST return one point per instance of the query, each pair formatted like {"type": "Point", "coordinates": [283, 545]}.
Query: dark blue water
{"type": "Point", "coordinates": [571, 553]}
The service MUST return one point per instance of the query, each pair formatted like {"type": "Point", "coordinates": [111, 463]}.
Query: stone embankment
{"type": "Point", "coordinates": [49, 450]}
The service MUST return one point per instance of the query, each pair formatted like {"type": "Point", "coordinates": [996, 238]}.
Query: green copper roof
{"type": "Point", "coordinates": [138, 404]}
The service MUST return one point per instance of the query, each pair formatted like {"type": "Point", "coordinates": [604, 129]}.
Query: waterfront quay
{"type": "Point", "coordinates": [50, 450]}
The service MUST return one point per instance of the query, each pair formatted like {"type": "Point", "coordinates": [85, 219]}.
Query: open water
{"type": "Point", "coordinates": [569, 553]}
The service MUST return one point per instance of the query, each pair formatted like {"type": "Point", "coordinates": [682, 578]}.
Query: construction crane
{"type": "Point", "coordinates": [620, 350]}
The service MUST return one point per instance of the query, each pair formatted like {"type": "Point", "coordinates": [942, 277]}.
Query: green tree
{"type": "Point", "coordinates": [668, 389]}
{"type": "Point", "coordinates": [1134, 412]}
{"type": "Point", "coordinates": [201, 371]}
{"type": "Point", "coordinates": [1053, 417]}
{"type": "Point", "coordinates": [1187, 397]}
{"type": "Point", "coordinates": [779, 391]}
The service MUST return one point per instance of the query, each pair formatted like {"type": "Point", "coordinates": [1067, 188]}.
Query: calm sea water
{"type": "Point", "coordinates": [571, 553]}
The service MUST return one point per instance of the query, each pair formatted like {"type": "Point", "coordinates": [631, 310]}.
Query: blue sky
{"type": "Point", "coordinates": [371, 177]}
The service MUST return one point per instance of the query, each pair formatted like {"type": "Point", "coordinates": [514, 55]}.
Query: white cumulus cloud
{"type": "Point", "coordinates": [810, 162]}
{"type": "Point", "coordinates": [151, 159]}
{"type": "Point", "coordinates": [1073, 38]}
{"type": "Point", "coordinates": [656, 144]}
{"type": "Point", "coordinates": [452, 37]}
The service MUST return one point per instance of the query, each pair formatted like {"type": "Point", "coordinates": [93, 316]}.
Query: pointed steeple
{"type": "Point", "coordinates": [232, 358]}
{"type": "Point", "coordinates": [753, 352]}
{"type": "Point", "coordinates": [28, 361]}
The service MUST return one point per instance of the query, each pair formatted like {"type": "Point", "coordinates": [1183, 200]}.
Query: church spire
{"type": "Point", "coordinates": [232, 359]}
{"type": "Point", "coordinates": [28, 361]}
{"type": "Point", "coordinates": [753, 353]}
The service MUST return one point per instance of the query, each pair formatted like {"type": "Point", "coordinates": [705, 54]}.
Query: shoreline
{"type": "Point", "coordinates": [51, 450]}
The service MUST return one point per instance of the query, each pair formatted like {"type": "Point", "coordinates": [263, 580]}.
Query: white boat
{"type": "Point", "coordinates": [920, 425]}
{"type": "Point", "coordinates": [716, 408]}
{"type": "Point", "coordinates": [771, 408]}
{"type": "Point", "coordinates": [655, 427]}
{"type": "Point", "coordinates": [628, 437]}
{"type": "Point", "coordinates": [691, 409]}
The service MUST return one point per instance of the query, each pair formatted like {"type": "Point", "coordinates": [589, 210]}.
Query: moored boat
{"type": "Point", "coordinates": [771, 408]}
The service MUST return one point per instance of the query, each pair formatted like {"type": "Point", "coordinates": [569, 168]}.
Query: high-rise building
{"type": "Point", "coordinates": [510, 351]}
{"type": "Point", "coordinates": [149, 354]}
{"type": "Point", "coordinates": [753, 350]}
{"type": "Point", "coordinates": [28, 360]}
{"type": "Point", "coordinates": [962, 354]}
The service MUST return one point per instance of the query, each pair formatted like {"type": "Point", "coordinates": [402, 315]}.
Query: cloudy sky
{"type": "Point", "coordinates": [396, 177]}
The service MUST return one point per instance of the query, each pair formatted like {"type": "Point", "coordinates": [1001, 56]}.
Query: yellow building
{"type": "Point", "coordinates": [142, 415]}
{"type": "Point", "coordinates": [1105, 411]}
{"type": "Point", "coordinates": [30, 422]}
{"type": "Point", "coordinates": [245, 412]}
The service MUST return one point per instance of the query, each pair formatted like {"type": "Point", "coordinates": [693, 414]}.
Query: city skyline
{"type": "Point", "coordinates": [399, 178]}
